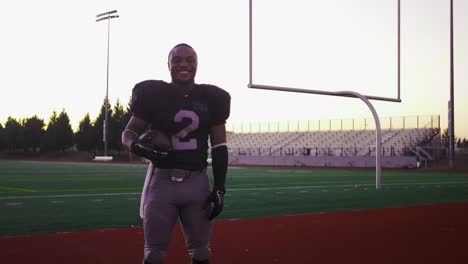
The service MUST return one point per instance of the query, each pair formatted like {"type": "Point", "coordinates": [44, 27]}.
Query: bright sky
{"type": "Point", "coordinates": [53, 55]}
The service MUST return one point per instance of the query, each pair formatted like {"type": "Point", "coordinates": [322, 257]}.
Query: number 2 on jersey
{"type": "Point", "coordinates": [178, 140]}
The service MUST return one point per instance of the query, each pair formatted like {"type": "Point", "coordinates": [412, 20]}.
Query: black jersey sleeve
{"type": "Point", "coordinates": [138, 105]}
{"type": "Point", "coordinates": [219, 105]}
{"type": "Point", "coordinates": [142, 94]}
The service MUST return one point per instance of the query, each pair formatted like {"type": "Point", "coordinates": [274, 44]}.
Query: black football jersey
{"type": "Point", "coordinates": [186, 119]}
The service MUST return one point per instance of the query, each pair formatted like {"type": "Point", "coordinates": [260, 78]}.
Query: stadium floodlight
{"type": "Point", "coordinates": [104, 18]}
{"type": "Point", "coordinates": [107, 13]}
{"type": "Point", "coordinates": [107, 16]}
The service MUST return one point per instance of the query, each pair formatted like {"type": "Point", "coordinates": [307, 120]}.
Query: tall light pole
{"type": "Point", "coordinates": [100, 17]}
{"type": "Point", "coordinates": [451, 125]}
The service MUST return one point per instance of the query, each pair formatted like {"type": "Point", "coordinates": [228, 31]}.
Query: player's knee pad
{"type": "Point", "coordinates": [202, 253]}
{"type": "Point", "coordinates": [154, 256]}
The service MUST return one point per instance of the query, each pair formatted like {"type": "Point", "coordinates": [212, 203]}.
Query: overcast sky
{"type": "Point", "coordinates": [53, 55]}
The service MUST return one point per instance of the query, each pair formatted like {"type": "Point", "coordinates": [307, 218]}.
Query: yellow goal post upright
{"type": "Point", "coordinates": [352, 94]}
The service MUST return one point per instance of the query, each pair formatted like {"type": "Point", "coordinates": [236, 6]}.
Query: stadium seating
{"type": "Point", "coordinates": [395, 142]}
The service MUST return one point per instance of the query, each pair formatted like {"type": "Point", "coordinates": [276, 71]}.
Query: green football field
{"type": "Point", "coordinates": [47, 197]}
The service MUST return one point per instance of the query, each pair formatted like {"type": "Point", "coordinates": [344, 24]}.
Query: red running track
{"type": "Point", "coordinates": [423, 234]}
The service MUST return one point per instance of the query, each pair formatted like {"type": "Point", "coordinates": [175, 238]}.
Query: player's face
{"type": "Point", "coordinates": [183, 65]}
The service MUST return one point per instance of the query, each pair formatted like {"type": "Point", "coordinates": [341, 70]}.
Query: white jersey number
{"type": "Point", "coordinates": [178, 140]}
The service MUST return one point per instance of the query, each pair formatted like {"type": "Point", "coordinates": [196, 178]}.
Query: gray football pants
{"type": "Point", "coordinates": [165, 199]}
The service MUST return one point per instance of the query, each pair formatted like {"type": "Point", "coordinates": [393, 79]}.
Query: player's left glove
{"type": "Point", "coordinates": [214, 203]}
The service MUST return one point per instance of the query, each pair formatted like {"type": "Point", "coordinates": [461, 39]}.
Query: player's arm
{"type": "Point", "coordinates": [139, 109]}
{"type": "Point", "coordinates": [135, 127]}
{"type": "Point", "coordinates": [220, 106]}
{"type": "Point", "coordinates": [219, 156]}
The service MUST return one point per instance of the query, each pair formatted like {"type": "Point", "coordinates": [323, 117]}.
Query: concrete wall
{"type": "Point", "coordinates": [323, 161]}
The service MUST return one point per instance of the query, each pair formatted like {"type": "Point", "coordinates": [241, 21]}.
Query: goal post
{"type": "Point", "coordinates": [353, 94]}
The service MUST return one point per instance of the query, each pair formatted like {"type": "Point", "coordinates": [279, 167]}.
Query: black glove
{"type": "Point", "coordinates": [154, 145]}
{"type": "Point", "coordinates": [146, 152]}
{"type": "Point", "coordinates": [214, 203]}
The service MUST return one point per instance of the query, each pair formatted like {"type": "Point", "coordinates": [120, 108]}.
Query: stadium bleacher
{"type": "Point", "coordinates": [326, 143]}
{"type": "Point", "coordinates": [333, 146]}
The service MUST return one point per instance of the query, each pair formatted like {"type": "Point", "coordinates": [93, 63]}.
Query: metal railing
{"type": "Point", "coordinates": [398, 122]}
{"type": "Point", "coordinates": [387, 151]}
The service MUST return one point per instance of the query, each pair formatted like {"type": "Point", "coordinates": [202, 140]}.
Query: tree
{"type": "Point", "coordinates": [13, 134]}
{"type": "Point", "coordinates": [445, 138]}
{"type": "Point", "coordinates": [49, 142]}
{"type": "Point", "coordinates": [33, 132]}
{"type": "Point", "coordinates": [2, 138]}
{"type": "Point", "coordinates": [116, 126]}
{"type": "Point", "coordinates": [99, 126]}
{"type": "Point", "coordinates": [128, 112]}
{"type": "Point", "coordinates": [59, 134]}
{"type": "Point", "coordinates": [64, 131]}
{"type": "Point", "coordinates": [85, 135]}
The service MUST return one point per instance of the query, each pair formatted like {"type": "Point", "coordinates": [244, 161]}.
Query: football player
{"type": "Point", "coordinates": [177, 186]}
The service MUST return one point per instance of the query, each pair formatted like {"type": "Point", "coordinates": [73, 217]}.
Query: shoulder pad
{"type": "Point", "coordinates": [141, 104]}
{"type": "Point", "coordinates": [151, 84]}
{"type": "Point", "coordinates": [215, 92]}
{"type": "Point", "coordinates": [219, 102]}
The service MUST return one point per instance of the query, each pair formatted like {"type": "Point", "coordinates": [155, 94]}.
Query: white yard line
{"type": "Point", "coordinates": [67, 195]}
{"type": "Point", "coordinates": [236, 190]}
{"type": "Point", "coordinates": [340, 186]}
{"type": "Point", "coordinates": [14, 204]}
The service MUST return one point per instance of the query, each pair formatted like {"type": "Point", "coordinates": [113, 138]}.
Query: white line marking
{"type": "Point", "coordinates": [66, 195]}
{"type": "Point", "coordinates": [97, 200]}
{"type": "Point", "coordinates": [385, 186]}
{"type": "Point", "coordinates": [56, 202]}
{"type": "Point", "coordinates": [14, 204]}
{"type": "Point", "coordinates": [340, 186]}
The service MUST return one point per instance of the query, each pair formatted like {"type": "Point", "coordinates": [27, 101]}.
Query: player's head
{"type": "Point", "coordinates": [182, 63]}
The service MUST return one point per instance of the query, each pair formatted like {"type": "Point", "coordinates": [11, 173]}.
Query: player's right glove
{"type": "Point", "coordinates": [148, 153]}
{"type": "Point", "coordinates": [153, 145]}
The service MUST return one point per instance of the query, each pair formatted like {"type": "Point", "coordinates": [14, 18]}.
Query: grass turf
{"type": "Point", "coordinates": [45, 197]}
